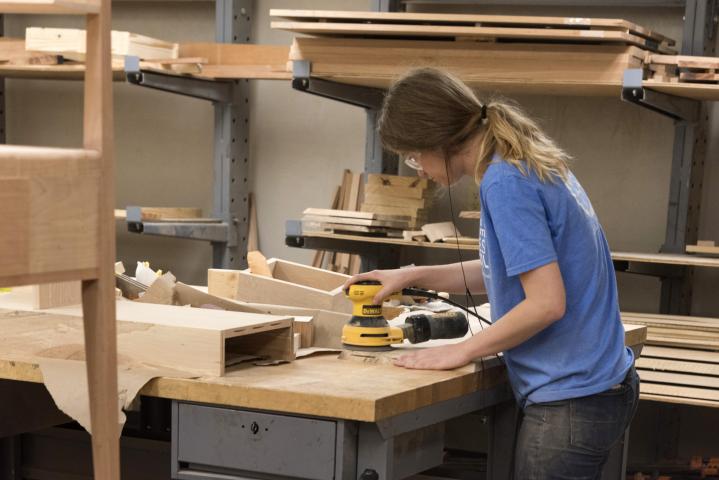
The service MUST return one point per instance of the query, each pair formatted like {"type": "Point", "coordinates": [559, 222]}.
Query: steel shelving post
{"type": "Point", "coordinates": [231, 151]}
{"type": "Point", "coordinates": [687, 169]}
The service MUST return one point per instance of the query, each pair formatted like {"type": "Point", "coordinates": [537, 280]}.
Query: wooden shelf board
{"type": "Point", "coordinates": [53, 72]}
{"type": "Point", "coordinates": [470, 19]}
{"type": "Point", "coordinates": [660, 258]}
{"type": "Point", "coordinates": [28, 153]}
{"type": "Point", "coordinates": [57, 7]}
{"type": "Point", "coordinates": [667, 259]}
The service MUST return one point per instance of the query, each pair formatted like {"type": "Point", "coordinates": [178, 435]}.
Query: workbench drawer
{"type": "Point", "coordinates": [222, 439]}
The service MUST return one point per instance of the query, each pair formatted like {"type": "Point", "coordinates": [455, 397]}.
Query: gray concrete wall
{"type": "Point", "coordinates": [299, 145]}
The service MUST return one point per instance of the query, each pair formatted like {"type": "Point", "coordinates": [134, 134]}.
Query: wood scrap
{"type": "Point", "coordinates": [291, 284]}
{"type": "Point", "coordinates": [705, 247]}
{"type": "Point", "coordinates": [258, 263]}
{"type": "Point", "coordinates": [470, 214]}
{"type": "Point", "coordinates": [70, 43]}
{"type": "Point", "coordinates": [253, 242]}
{"type": "Point", "coordinates": [435, 232]}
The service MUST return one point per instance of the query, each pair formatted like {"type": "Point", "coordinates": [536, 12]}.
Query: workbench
{"type": "Point", "coordinates": [323, 417]}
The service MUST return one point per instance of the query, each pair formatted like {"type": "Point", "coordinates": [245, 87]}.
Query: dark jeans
{"type": "Point", "coordinates": [571, 439]}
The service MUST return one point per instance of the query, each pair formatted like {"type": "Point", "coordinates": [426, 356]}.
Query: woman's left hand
{"type": "Point", "coordinates": [446, 357]}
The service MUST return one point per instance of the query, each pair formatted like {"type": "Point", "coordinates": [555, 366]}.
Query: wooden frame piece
{"type": "Point", "coordinates": [292, 284]}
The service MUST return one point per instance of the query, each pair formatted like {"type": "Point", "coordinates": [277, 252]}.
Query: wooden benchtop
{"type": "Point", "coordinates": [323, 385]}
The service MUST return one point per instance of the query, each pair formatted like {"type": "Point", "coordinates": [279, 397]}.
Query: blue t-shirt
{"type": "Point", "coordinates": [526, 223]}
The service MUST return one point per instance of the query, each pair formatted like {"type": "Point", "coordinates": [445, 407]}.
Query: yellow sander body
{"type": "Point", "coordinates": [369, 330]}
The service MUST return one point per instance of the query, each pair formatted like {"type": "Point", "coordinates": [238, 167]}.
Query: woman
{"type": "Point", "coordinates": [544, 263]}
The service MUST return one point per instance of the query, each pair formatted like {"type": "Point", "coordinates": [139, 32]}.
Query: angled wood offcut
{"type": "Point", "coordinates": [291, 284]}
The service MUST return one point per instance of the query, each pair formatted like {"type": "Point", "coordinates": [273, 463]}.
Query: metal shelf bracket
{"type": "Point", "coordinates": [678, 109]}
{"type": "Point", "coordinates": [212, 90]}
{"type": "Point", "coordinates": [365, 97]}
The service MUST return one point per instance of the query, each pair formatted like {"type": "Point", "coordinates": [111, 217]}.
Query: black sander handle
{"type": "Point", "coordinates": [422, 327]}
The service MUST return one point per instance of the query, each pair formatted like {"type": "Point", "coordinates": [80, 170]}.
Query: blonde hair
{"type": "Point", "coordinates": [429, 109]}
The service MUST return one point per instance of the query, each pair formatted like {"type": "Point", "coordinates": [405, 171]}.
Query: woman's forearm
{"type": "Point", "coordinates": [519, 324]}
{"type": "Point", "coordinates": [449, 278]}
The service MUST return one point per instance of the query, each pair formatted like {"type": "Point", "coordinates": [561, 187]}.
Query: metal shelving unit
{"type": "Point", "coordinates": [690, 125]}
{"type": "Point", "coordinates": [231, 190]}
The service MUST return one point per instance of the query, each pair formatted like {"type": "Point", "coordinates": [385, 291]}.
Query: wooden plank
{"type": "Point", "coordinates": [437, 231]}
{"type": "Point", "coordinates": [396, 180]}
{"type": "Point", "coordinates": [680, 354]}
{"type": "Point", "coordinates": [327, 212]}
{"type": "Point", "coordinates": [474, 215]}
{"type": "Point", "coordinates": [70, 42]}
{"type": "Point", "coordinates": [292, 284]}
{"type": "Point", "coordinates": [702, 381]}
{"type": "Point", "coordinates": [677, 400]}
{"type": "Point", "coordinates": [459, 19]}
{"type": "Point", "coordinates": [52, 229]}
{"type": "Point", "coordinates": [659, 364]}
{"type": "Point", "coordinates": [689, 61]}
{"type": "Point", "coordinates": [356, 221]}
{"type": "Point", "coordinates": [170, 213]}
{"type": "Point", "coordinates": [667, 259]}
{"type": "Point", "coordinates": [377, 199]}
{"type": "Point", "coordinates": [686, 90]}
{"type": "Point", "coordinates": [12, 52]}
{"type": "Point", "coordinates": [412, 213]}
{"type": "Point", "coordinates": [703, 249]}
{"type": "Point", "coordinates": [55, 7]}
{"type": "Point", "coordinates": [392, 241]}
{"type": "Point", "coordinates": [253, 242]}
{"type": "Point", "coordinates": [679, 391]}
{"type": "Point", "coordinates": [708, 321]}
{"type": "Point", "coordinates": [407, 192]}
{"type": "Point", "coordinates": [429, 31]}
{"type": "Point", "coordinates": [698, 77]}
{"type": "Point", "coordinates": [576, 69]}
{"type": "Point", "coordinates": [234, 61]}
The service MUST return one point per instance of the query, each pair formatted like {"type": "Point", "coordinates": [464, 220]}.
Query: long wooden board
{"type": "Point", "coordinates": [460, 32]}
{"type": "Point", "coordinates": [667, 259]}
{"type": "Point", "coordinates": [566, 69]}
{"type": "Point", "coordinates": [469, 19]}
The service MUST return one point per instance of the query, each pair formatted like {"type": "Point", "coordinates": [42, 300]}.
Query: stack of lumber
{"type": "Point", "coordinates": [347, 197]}
{"type": "Point", "coordinates": [355, 223]}
{"type": "Point", "coordinates": [529, 54]}
{"type": "Point", "coordinates": [70, 43]}
{"type": "Point", "coordinates": [705, 247]}
{"type": "Point", "coordinates": [680, 360]}
{"type": "Point", "coordinates": [398, 196]}
{"type": "Point", "coordinates": [683, 68]}
{"type": "Point", "coordinates": [471, 27]}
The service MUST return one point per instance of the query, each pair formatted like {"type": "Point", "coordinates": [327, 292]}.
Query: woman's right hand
{"type": "Point", "coordinates": [392, 281]}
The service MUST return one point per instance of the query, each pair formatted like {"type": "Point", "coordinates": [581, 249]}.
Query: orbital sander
{"type": "Point", "coordinates": [369, 330]}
